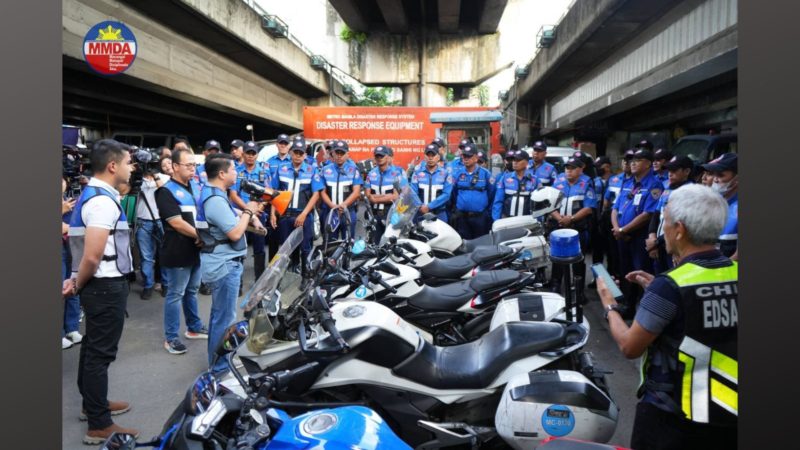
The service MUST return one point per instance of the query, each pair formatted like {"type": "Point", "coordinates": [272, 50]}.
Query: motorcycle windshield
{"type": "Point", "coordinates": [268, 282]}
{"type": "Point", "coordinates": [402, 211]}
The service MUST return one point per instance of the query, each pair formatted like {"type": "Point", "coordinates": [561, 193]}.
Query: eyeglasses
{"type": "Point", "coordinates": [192, 165]}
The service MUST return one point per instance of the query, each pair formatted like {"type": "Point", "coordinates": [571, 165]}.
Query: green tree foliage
{"type": "Point", "coordinates": [450, 100]}
{"type": "Point", "coordinates": [348, 35]}
{"type": "Point", "coordinates": [375, 97]}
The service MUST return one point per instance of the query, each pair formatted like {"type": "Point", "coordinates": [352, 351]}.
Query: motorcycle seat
{"type": "Point", "coordinates": [458, 266]}
{"type": "Point", "coordinates": [493, 238]}
{"type": "Point", "coordinates": [475, 365]}
{"type": "Point", "coordinates": [452, 296]}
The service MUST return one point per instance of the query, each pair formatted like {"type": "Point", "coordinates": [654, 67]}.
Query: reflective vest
{"type": "Point", "coordinates": [339, 181]}
{"type": "Point", "coordinates": [513, 196]}
{"type": "Point", "coordinates": [204, 228]}
{"type": "Point", "coordinates": [382, 183]}
{"type": "Point", "coordinates": [703, 366]}
{"type": "Point", "coordinates": [300, 182]}
{"type": "Point", "coordinates": [121, 234]}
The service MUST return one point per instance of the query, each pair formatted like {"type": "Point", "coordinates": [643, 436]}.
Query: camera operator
{"type": "Point", "coordinates": [149, 231]}
{"type": "Point", "coordinates": [99, 238]}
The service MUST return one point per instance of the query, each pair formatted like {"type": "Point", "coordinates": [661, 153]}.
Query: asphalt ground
{"type": "Point", "coordinates": [154, 381]}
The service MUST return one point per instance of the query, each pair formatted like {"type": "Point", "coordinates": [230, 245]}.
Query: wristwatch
{"type": "Point", "coordinates": [615, 307]}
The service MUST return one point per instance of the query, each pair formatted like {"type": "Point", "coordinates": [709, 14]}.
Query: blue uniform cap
{"type": "Point", "coordinates": [283, 138]}
{"type": "Point", "coordinates": [521, 155]}
{"type": "Point", "coordinates": [539, 146]}
{"type": "Point", "coordinates": [340, 145]}
{"type": "Point", "coordinates": [438, 142]}
{"type": "Point", "coordinates": [432, 148]}
{"type": "Point", "coordinates": [297, 146]}
{"type": "Point", "coordinates": [679, 162]}
{"type": "Point", "coordinates": [211, 144]}
{"type": "Point", "coordinates": [237, 143]}
{"type": "Point", "coordinates": [629, 154]}
{"type": "Point", "coordinates": [643, 153]}
{"type": "Point", "coordinates": [464, 143]}
{"type": "Point", "coordinates": [601, 160]}
{"type": "Point", "coordinates": [662, 153]}
{"type": "Point", "coordinates": [469, 150]}
{"type": "Point", "coordinates": [644, 143]}
{"type": "Point", "coordinates": [481, 157]}
{"type": "Point", "coordinates": [728, 161]}
{"type": "Point", "coordinates": [384, 150]}
{"type": "Point", "coordinates": [574, 162]}
{"type": "Point", "coordinates": [250, 147]}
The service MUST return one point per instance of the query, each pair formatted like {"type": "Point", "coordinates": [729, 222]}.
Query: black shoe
{"type": "Point", "coordinates": [163, 291]}
{"type": "Point", "coordinates": [147, 293]}
{"type": "Point", "coordinates": [205, 290]}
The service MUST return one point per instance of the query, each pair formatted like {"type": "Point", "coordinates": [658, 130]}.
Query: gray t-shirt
{"type": "Point", "coordinates": [221, 219]}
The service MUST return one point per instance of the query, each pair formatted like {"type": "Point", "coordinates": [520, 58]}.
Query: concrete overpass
{"type": "Point", "coordinates": [204, 69]}
{"type": "Point", "coordinates": [619, 69]}
{"type": "Point", "coordinates": [424, 47]}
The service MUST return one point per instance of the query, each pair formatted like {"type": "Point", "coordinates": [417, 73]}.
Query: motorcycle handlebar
{"type": "Point", "coordinates": [329, 325]}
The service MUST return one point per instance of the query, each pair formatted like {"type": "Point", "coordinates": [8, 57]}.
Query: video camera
{"type": "Point", "coordinates": [147, 162]}
{"type": "Point", "coordinates": [75, 164]}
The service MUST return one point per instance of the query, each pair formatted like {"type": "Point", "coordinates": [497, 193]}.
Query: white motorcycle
{"type": "Point", "coordinates": [520, 383]}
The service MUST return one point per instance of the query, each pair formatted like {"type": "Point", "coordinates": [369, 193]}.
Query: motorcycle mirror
{"type": "Point", "coordinates": [119, 441]}
{"type": "Point", "coordinates": [234, 337]}
{"type": "Point", "coordinates": [203, 391]}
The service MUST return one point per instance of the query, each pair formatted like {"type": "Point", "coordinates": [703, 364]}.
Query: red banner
{"type": "Point", "coordinates": [405, 129]}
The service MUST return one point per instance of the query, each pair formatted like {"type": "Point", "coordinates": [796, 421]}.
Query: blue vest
{"type": "Point", "coordinates": [513, 196]}
{"type": "Point", "coordinates": [339, 181]}
{"type": "Point", "coordinates": [473, 191]}
{"type": "Point", "coordinates": [186, 201]}
{"type": "Point", "coordinates": [433, 189]}
{"type": "Point", "coordinates": [121, 233]}
{"type": "Point", "coordinates": [383, 182]}
{"type": "Point", "coordinates": [614, 188]}
{"type": "Point", "coordinates": [302, 183]}
{"type": "Point", "coordinates": [576, 196]}
{"type": "Point", "coordinates": [545, 173]}
{"type": "Point", "coordinates": [204, 228]}
{"type": "Point", "coordinates": [259, 175]}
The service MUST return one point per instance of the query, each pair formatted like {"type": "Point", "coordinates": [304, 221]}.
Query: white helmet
{"type": "Point", "coordinates": [545, 201]}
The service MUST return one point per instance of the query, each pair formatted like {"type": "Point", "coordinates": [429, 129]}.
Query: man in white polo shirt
{"type": "Point", "coordinates": [99, 238]}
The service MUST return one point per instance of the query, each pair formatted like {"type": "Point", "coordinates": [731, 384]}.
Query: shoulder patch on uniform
{"type": "Point", "coordinates": [450, 179]}
{"type": "Point", "coordinates": [284, 168]}
{"type": "Point", "coordinates": [656, 193]}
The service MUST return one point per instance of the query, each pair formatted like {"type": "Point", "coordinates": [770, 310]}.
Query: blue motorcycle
{"type": "Point", "coordinates": [213, 417]}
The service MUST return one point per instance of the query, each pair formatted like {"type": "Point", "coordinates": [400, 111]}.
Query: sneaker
{"type": "Point", "coordinates": [147, 293]}
{"type": "Point", "coordinates": [66, 343]}
{"type": "Point", "coordinates": [175, 346]}
{"type": "Point", "coordinates": [202, 333]}
{"type": "Point", "coordinates": [95, 437]}
{"type": "Point", "coordinates": [116, 408]}
{"type": "Point", "coordinates": [204, 289]}
{"type": "Point", "coordinates": [75, 337]}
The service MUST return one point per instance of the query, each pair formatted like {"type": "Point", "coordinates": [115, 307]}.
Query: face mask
{"type": "Point", "coordinates": [724, 188]}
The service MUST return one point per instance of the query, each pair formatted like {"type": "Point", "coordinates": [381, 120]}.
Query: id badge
{"type": "Point", "coordinates": [637, 199]}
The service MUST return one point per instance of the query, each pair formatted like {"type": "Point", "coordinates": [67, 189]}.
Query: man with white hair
{"type": "Point", "coordinates": [686, 328]}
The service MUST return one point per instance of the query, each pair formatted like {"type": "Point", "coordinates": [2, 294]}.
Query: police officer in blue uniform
{"type": "Point", "coordinates": [630, 218]}
{"type": "Point", "coordinates": [725, 170]}
{"type": "Point", "coordinates": [282, 158]}
{"type": "Point", "coordinates": [473, 193]}
{"type": "Point", "coordinates": [512, 197]}
{"type": "Point", "coordinates": [660, 157]}
{"type": "Point", "coordinates": [258, 173]}
{"type": "Point", "coordinates": [380, 187]}
{"type": "Point", "coordinates": [457, 162]}
{"type": "Point", "coordinates": [613, 191]}
{"type": "Point", "coordinates": [304, 182]}
{"type": "Point", "coordinates": [575, 213]}
{"type": "Point", "coordinates": [342, 187]}
{"type": "Point", "coordinates": [545, 172]}
{"type": "Point", "coordinates": [678, 168]}
{"type": "Point", "coordinates": [602, 217]}
{"type": "Point", "coordinates": [211, 147]}
{"type": "Point", "coordinates": [432, 185]}
{"type": "Point", "coordinates": [237, 151]}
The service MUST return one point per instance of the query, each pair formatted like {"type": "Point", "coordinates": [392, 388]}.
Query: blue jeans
{"type": "Point", "coordinates": [224, 293]}
{"type": "Point", "coordinates": [72, 304]}
{"type": "Point", "coordinates": [184, 282]}
{"type": "Point", "coordinates": [148, 238]}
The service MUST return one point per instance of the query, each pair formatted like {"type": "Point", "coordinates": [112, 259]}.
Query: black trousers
{"type": "Point", "coordinates": [655, 429]}
{"type": "Point", "coordinates": [104, 301]}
